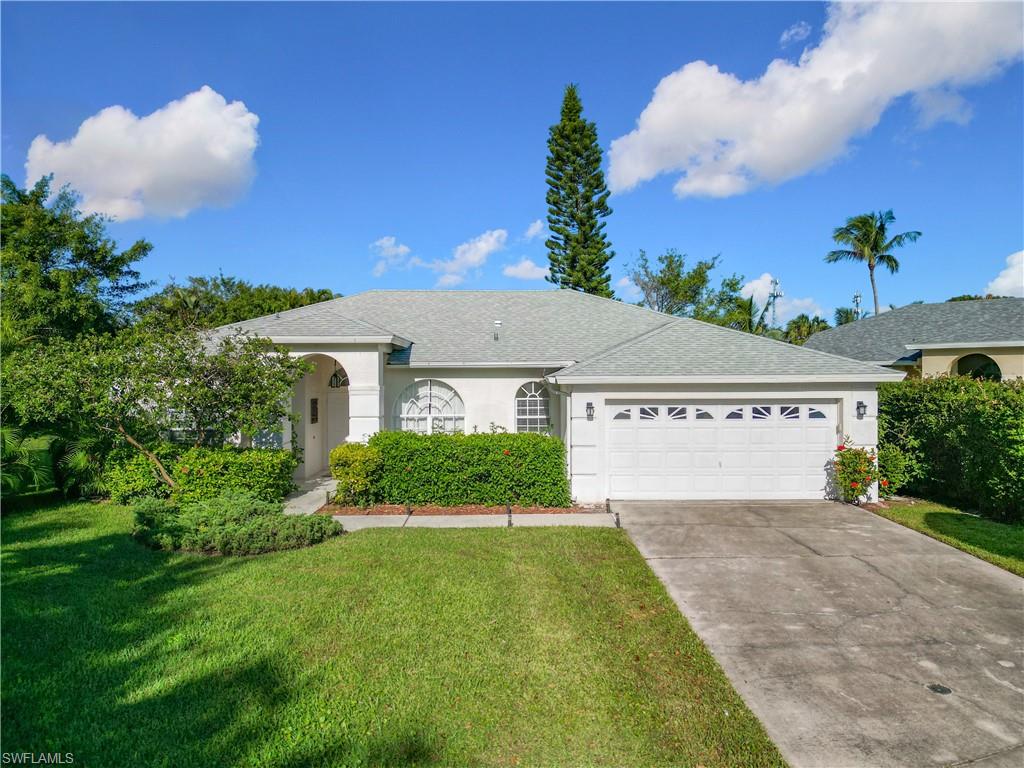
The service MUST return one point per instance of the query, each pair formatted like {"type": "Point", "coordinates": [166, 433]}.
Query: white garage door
{"type": "Point", "coordinates": [766, 450]}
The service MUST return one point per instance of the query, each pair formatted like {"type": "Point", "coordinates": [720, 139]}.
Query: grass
{"type": "Point", "coordinates": [1001, 544]}
{"type": "Point", "coordinates": [488, 647]}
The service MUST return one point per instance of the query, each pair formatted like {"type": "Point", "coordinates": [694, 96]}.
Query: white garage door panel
{"type": "Point", "coordinates": [754, 450]}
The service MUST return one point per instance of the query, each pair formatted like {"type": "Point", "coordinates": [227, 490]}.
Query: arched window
{"type": "Point", "coordinates": [979, 367]}
{"type": "Point", "coordinates": [533, 408]}
{"type": "Point", "coordinates": [429, 406]}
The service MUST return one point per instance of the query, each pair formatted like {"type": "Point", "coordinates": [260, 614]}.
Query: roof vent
{"type": "Point", "coordinates": [497, 327]}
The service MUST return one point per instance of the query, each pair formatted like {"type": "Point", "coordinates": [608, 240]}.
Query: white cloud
{"type": "Point", "coordinates": [1009, 282]}
{"type": "Point", "coordinates": [525, 269]}
{"type": "Point", "coordinates": [468, 256]}
{"type": "Point", "coordinates": [786, 308]}
{"type": "Point", "coordinates": [535, 230]}
{"type": "Point", "coordinates": [724, 135]}
{"type": "Point", "coordinates": [449, 280]}
{"type": "Point", "coordinates": [795, 33]}
{"type": "Point", "coordinates": [941, 105]}
{"type": "Point", "coordinates": [192, 152]}
{"type": "Point", "coordinates": [628, 288]}
{"type": "Point", "coordinates": [391, 253]}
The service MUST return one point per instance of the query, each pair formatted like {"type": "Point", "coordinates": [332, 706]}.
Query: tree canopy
{"type": "Point", "coordinates": [62, 275]}
{"type": "Point", "coordinates": [208, 302]}
{"type": "Point", "coordinates": [143, 383]}
{"type": "Point", "coordinates": [577, 200]}
{"type": "Point", "coordinates": [802, 327]}
{"type": "Point", "coordinates": [867, 240]}
{"type": "Point", "coordinates": [672, 288]}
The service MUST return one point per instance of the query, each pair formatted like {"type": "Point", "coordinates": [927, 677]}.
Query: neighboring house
{"type": "Point", "coordinates": [650, 406]}
{"type": "Point", "coordinates": [982, 338]}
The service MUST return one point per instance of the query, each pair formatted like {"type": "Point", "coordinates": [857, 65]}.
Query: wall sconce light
{"type": "Point", "coordinates": [862, 409]}
{"type": "Point", "coordinates": [590, 411]}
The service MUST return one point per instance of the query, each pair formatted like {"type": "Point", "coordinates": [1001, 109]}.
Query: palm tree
{"type": "Point", "coordinates": [747, 316]}
{"type": "Point", "coordinates": [845, 315]}
{"type": "Point", "coordinates": [867, 240]}
{"type": "Point", "coordinates": [802, 327]}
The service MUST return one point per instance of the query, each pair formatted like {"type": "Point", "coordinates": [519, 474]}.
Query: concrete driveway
{"type": "Point", "coordinates": [833, 623]}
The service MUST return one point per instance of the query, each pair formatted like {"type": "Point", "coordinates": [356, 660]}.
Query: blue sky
{"type": "Point", "coordinates": [427, 124]}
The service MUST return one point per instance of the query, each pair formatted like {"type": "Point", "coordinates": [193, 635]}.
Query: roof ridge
{"type": "Point", "coordinates": [632, 340]}
{"type": "Point", "coordinates": [277, 315]}
{"type": "Point", "coordinates": [786, 344]}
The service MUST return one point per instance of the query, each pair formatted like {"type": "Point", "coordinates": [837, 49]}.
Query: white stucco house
{"type": "Point", "coordinates": [650, 406]}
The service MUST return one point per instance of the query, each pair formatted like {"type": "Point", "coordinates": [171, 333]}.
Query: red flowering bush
{"type": "Point", "coordinates": [855, 470]}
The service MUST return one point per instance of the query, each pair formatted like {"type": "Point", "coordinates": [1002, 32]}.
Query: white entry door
{"type": "Point", "coordinates": [685, 450]}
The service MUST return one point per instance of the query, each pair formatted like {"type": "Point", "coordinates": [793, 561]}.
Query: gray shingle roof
{"type": "Point", "coordinates": [690, 348]}
{"type": "Point", "coordinates": [548, 326]}
{"type": "Point", "coordinates": [884, 338]}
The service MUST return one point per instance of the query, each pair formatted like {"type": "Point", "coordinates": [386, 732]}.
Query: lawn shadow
{"type": "Point", "coordinates": [108, 654]}
{"type": "Point", "coordinates": [1003, 539]}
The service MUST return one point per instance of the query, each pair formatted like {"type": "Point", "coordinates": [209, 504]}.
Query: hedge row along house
{"type": "Point", "coordinates": [650, 406]}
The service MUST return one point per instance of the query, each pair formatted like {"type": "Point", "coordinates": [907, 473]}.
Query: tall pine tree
{"type": "Point", "coordinates": [577, 200]}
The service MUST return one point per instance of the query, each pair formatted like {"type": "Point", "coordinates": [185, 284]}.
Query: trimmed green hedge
{"type": "Point", "coordinates": [964, 437]}
{"type": "Point", "coordinates": [232, 523]}
{"type": "Point", "coordinates": [356, 467]}
{"type": "Point", "coordinates": [202, 473]}
{"type": "Point", "coordinates": [493, 469]}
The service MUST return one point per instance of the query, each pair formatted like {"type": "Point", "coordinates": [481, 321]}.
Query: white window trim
{"type": "Point", "coordinates": [400, 419]}
{"type": "Point", "coordinates": [544, 397]}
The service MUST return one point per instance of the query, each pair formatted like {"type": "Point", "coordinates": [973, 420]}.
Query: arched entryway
{"type": "Point", "coordinates": [979, 366]}
{"type": "Point", "coordinates": [321, 401]}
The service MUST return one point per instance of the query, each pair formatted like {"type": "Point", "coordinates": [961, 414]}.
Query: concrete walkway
{"type": "Point", "coordinates": [856, 641]}
{"type": "Point", "coordinates": [310, 496]}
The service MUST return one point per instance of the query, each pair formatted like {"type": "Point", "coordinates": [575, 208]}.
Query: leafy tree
{"type": "Point", "coordinates": [676, 290]}
{"type": "Point", "coordinates": [866, 238]}
{"type": "Point", "coordinates": [577, 200]}
{"type": "Point", "coordinates": [62, 275]}
{"type": "Point", "coordinates": [802, 327]}
{"type": "Point", "coordinates": [208, 302]}
{"type": "Point", "coordinates": [140, 384]}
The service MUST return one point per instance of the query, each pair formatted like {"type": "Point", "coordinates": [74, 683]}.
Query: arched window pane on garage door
{"type": "Point", "coordinates": [533, 408]}
{"type": "Point", "coordinates": [429, 406]}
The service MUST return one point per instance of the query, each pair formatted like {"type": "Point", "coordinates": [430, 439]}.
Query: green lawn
{"type": "Point", "coordinates": [388, 647]}
{"type": "Point", "coordinates": [998, 543]}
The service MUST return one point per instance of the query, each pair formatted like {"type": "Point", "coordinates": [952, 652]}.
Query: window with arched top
{"type": "Point", "coordinates": [533, 408]}
{"type": "Point", "coordinates": [429, 406]}
{"type": "Point", "coordinates": [979, 366]}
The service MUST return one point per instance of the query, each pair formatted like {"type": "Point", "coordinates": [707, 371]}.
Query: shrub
{"type": "Point", "coordinates": [203, 473]}
{"type": "Point", "coordinates": [896, 468]}
{"type": "Point", "coordinates": [356, 467]}
{"type": "Point", "coordinates": [524, 469]}
{"type": "Point", "coordinates": [965, 436]}
{"type": "Point", "coordinates": [130, 476]}
{"type": "Point", "coordinates": [233, 523]}
{"type": "Point", "coordinates": [855, 471]}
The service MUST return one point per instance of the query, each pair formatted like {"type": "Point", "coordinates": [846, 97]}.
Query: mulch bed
{"type": "Point", "coordinates": [462, 509]}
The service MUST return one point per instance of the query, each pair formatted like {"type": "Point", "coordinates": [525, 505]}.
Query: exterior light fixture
{"type": "Point", "coordinates": [339, 378]}
{"type": "Point", "coordinates": [862, 409]}
{"type": "Point", "coordinates": [590, 411]}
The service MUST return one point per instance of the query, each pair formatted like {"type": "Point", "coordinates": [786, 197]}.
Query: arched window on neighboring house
{"type": "Point", "coordinates": [979, 366]}
{"type": "Point", "coordinates": [429, 406]}
{"type": "Point", "coordinates": [533, 408]}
